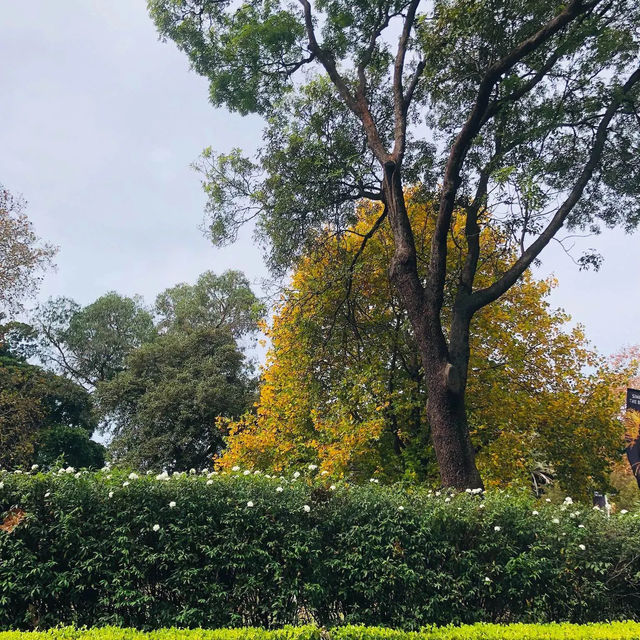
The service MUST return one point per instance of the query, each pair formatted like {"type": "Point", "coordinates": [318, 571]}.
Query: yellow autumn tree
{"type": "Point", "coordinates": [342, 388]}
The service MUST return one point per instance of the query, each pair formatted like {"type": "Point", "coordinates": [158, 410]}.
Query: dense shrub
{"type": "Point", "coordinates": [612, 631]}
{"type": "Point", "coordinates": [234, 550]}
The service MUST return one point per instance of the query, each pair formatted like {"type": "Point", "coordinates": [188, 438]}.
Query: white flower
{"type": "Point", "coordinates": [296, 474]}
{"type": "Point", "coordinates": [568, 500]}
{"type": "Point", "coordinates": [580, 526]}
{"type": "Point", "coordinates": [279, 489]}
{"type": "Point", "coordinates": [60, 471]}
{"type": "Point", "coordinates": [374, 480]}
{"type": "Point", "coordinates": [111, 494]}
{"type": "Point", "coordinates": [556, 521]}
{"type": "Point", "coordinates": [437, 494]}
{"type": "Point", "coordinates": [324, 473]}
{"type": "Point", "coordinates": [70, 470]}
{"type": "Point", "coordinates": [477, 491]}
{"type": "Point", "coordinates": [623, 511]}
{"type": "Point", "coordinates": [332, 487]}
{"type": "Point", "coordinates": [581, 547]}
{"type": "Point", "coordinates": [192, 472]}
{"type": "Point", "coordinates": [548, 500]}
{"type": "Point", "coordinates": [46, 495]}
{"type": "Point", "coordinates": [487, 579]}
{"type": "Point", "coordinates": [400, 508]}
{"type": "Point", "coordinates": [133, 476]}
{"type": "Point", "coordinates": [573, 514]}
{"type": "Point", "coordinates": [109, 477]}
{"type": "Point", "coordinates": [77, 475]}
{"type": "Point", "coordinates": [313, 467]}
{"type": "Point", "coordinates": [209, 481]}
{"type": "Point", "coordinates": [34, 467]}
{"type": "Point", "coordinates": [236, 468]}
{"type": "Point", "coordinates": [172, 504]}
{"type": "Point", "coordinates": [125, 484]}
{"type": "Point", "coordinates": [447, 499]}
{"type": "Point", "coordinates": [17, 472]}
{"type": "Point", "coordinates": [256, 473]}
{"type": "Point", "coordinates": [534, 513]}
{"type": "Point", "coordinates": [596, 508]}
{"type": "Point", "coordinates": [246, 472]}
{"type": "Point", "coordinates": [307, 508]}
{"type": "Point", "coordinates": [156, 527]}
{"type": "Point", "coordinates": [482, 506]}
{"type": "Point", "coordinates": [2, 485]}
{"type": "Point", "coordinates": [249, 504]}
{"type": "Point", "coordinates": [467, 490]}
{"type": "Point", "coordinates": [497, 528]}
{"type": "Point", "coordinates": [162, 476]}
{"type": "Point", "coordinates": [205, 472]}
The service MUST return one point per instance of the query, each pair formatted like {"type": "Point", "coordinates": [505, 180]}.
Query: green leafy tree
{"type": "Point", "coordinates": [523, 115]}
{"type": "Point", "coordinates": [163, 408]}
{"type": "Point", "coordinates": [89, 344]}
{"type": "Point", "coordinates": [214, 301]}
{"type": "Point", "coordinates": [43, 416]}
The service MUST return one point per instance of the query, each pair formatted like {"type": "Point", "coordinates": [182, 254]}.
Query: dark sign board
{"type": "Point", "coordinates": [633, 399]}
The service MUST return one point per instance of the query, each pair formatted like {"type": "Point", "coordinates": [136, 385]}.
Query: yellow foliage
{"type": "Point", "coordinates": [343, 387]}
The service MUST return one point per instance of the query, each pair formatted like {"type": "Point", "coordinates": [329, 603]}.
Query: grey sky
{"type": "Point", "coordinates": [99, 122]}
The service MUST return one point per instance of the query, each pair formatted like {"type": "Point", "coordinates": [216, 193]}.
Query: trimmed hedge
{"type": "Point", "coordinates": [249, 550]}
{"type": "Point", "coordinates": [612, 631]}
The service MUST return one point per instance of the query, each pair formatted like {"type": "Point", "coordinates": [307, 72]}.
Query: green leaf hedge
{"type": "Point", "coordinates": [611, 631]}
{"type": "Point", "coordinates": [242, 549]}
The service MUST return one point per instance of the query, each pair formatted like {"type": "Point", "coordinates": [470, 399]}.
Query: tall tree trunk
{"type": "Point", "coordinates": [445, 365]}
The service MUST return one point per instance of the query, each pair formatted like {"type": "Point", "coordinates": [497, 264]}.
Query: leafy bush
{"type": "Point", "coordinates": [612, 631]}
{"type": "Point", "coordinates": [234, 550]}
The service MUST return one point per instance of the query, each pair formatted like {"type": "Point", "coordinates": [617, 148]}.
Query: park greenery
{"type": "Point", "coordinates": [421, 445]}
{"type": "Point", "coordinates": [518, 118]}
{"type": "Point", "coordinates": [613, 631]}
{"type": "Point", "coordinates": [214, 550]}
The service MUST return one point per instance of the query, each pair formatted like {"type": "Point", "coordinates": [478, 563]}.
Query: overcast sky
{"type": "Point", "coordinates": [99, 122]}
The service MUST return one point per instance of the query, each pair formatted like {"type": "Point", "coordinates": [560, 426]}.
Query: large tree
{"type": "Point", "coordinates": [23, 257]}
{"type": "Point", "coordinates": [162, 409]}
{"type": "Point", "coordinates": [531, 112]}
{"type": "Point", "coordinates": [343, 386]}
{"type": "Point", "coordinates": [89, 344]}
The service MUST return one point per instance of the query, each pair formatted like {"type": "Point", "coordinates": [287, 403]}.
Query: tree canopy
{"type": "Point", "coordinates": [43, 416]}
{"type": "Point", "coordinates": [521, 115]}
{"type": "Point", "coordinates": [162, 409]}
{"type": "Point", "coordinates": [89, 344]}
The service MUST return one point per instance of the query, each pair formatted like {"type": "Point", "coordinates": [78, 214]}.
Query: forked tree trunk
{"type": "Point", "coordinates": [445, 364]}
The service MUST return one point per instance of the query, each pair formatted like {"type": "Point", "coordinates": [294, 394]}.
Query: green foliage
{"type": "Point", "coordinates": [89, 344]}
{"type": "Point", "coordinates": [32, 402]}
{"type": "Point", "coordinates": [214, 301]}
{"type": "Point", "coordinates": [71, 444]}
{"type": "Point", "coordinates": [316, 158]}
{"type": "Point", "coordinates": [210, 550]}
{"type": "Point", "coordinates": [606, 631]}
{"type": "Point", "coordinates": [162, 408]}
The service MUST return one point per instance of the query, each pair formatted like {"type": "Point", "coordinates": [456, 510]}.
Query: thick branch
{"type": "Point", "coordinates": [357, 104]}
{"type": "Point", "coordinates": [399, 101]}
{"type": "Point", "coordinates": [485, 296]}
{"type": "Point", "coordinates": [470, 129]}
